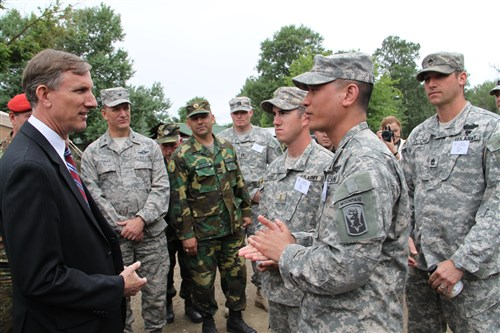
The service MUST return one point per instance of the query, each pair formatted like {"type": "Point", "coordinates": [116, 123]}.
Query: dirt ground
{"type": "Point", "coordinates": [255, 317]}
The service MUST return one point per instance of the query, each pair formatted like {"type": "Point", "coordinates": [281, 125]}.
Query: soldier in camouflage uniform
{"type": "Point", "coordinates": [353, 275]}
{"type": "Point", "coordinates": [168, 138]}
{"type": "Point", "coordinates": [323, 140]}
{"type": "Point", "coordinates": [291, 191]}
{"type": "Point", "coordinates": [496, 92]}
{"type": "Point", "coordinates": [452, 166]}
{"type": "Point", "coordinates": [213, 209]}
{"type": "Point", "coordinates": [125, 173]}
{"type": "Point", "coordinates": [19, 112]}
{"type": "Point", "coordinates": [256, 149]}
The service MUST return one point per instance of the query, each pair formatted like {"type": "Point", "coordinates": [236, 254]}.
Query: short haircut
{"type": "Point", "coordinates": [365, 91]}
{"type": "Point", "coordinates": [47, 68]}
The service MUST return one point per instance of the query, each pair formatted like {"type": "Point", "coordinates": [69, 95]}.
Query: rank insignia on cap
{"type": "Point", "coordinates": [354, 218]}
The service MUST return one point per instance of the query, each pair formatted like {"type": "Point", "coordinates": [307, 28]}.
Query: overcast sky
{"type": "Point", "coordinates": [209, 48]}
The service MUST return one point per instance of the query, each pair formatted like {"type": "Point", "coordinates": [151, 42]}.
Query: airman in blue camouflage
{"type": "Point", "coordinates": [213, 209]}
{"type": "Point", "coordinates": [125, 173]}
{"type": "Point", "coordinates": [353, 275]}
{"type": "Point", "coordinates": [256, 149]}
{"type": "Point", "coordinates": [291, 191]}
{"type": "Point", "coordinates": [452, 167]}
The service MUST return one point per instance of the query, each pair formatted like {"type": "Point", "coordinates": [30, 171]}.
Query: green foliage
{"type": "Point", "coordinates": [287, 44]}
{"type": "Point", "coordinates": [397, 59]}
{"type": "Point", "coordinates": [276, 57]}
{"type": "Point", "coordinates": [149, 107]}
{"type": "Point", "coordinates": [23, 37]}
{"type": "Point", "coordinates": [91, 33]}
{"type": "Point", "coordinates": [480, 96]}
{"type": "Point", "coordinates": [385, 101]}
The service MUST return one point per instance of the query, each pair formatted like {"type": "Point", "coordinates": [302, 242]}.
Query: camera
{"type": "Point", "coordinates": [388, 134]}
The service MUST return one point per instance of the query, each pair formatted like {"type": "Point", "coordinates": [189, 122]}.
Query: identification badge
{"type": "Point", "coordinates": [459, 147]}
{"type": "Point", "coordinates": [302, 185]}
{"type": "Point", "coordinates": [258, 148]}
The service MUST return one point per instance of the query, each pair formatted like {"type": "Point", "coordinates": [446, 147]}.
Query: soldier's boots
{"type": "Point", "coordinates": [208, 325]}
{"type": "Point", "coordinates": [170, 311]}
{"type": "Point", "coordinates": [191, 312]}
{"type": "Point", "coordinates": [236, 324]}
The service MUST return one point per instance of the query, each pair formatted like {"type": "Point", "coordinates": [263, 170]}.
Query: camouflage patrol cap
{"type": "Point", "coordinates": [240, 104]}
{"type": "Point", "coordinates": [199, 107]}
{"type": "Point", "coordinates": [114, 96]}
{"type": "Point", "coordinates": [495, 89]}
{"type": "Point", "coordinates": [355, 66]}
{"type": "Point", "coordinates": [285, 98]}
{"type": "Point", "coordinates": [168, 133]}
{"type": "Point", "coordinates": [441, 62]}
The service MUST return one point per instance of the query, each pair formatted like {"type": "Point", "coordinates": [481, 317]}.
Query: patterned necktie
{"type": "Point", "coordinates": [70, 163]}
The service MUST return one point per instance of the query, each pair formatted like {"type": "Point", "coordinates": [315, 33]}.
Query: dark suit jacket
{"type": "Point", "coordinates": [64, 257]}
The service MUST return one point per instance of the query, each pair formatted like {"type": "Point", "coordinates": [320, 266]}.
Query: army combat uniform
{"type": "Point", "coordinates": [212, 200]}
{"type": "Point", "coordinates": [127, 182]}
{"type": "Point", "coordinates": [292, 193]}
{"type": "Point", "coordinates": [255, 150]}
{"type": "Point", "coordinates": [452, 173]}
{"type": "Point", "coordinates": [353, 276]}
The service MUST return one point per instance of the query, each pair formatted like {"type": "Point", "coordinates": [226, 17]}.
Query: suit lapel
{"type": "Point", "coordinates": [30, 131]}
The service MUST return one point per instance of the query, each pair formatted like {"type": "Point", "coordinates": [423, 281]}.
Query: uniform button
{"type": "Point", "coordinates": [109, 253]}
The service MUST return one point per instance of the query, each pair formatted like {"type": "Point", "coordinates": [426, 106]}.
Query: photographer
{"type": "Point", "coordinates": [390, 133]}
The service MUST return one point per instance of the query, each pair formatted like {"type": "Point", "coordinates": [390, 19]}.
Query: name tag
{"type": "Point", "coordinates": [258, 148]}
{"type": "Point", "coordinates": [459, 147]}
{"type": "Point", "coordinates": [302, 185]}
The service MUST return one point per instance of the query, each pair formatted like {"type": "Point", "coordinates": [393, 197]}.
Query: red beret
{"type": "Point", "coordinates": [19, 103]}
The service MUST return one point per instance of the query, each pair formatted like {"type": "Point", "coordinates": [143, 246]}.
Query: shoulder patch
{"type": "Point", "coordinates": [171, 166]}
{"type": "Point", "coordinates": [354, 216]}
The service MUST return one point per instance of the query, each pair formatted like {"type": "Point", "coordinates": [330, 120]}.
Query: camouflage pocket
{"type": "Point", "coordinates": [106, 173]}
{"type": "Point", "coordinates": [205, 179]}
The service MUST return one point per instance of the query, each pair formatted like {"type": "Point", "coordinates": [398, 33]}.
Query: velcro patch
{"type": "Point", "coordinates": [354, 219]}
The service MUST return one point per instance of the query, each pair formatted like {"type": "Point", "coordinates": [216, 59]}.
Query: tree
{"type": "Point", "coordinates": [385, 101]}
{"type": "Point", "coordinates": [91, 33]}
{"type": "Point", "coordinates": [480, 96]}
{"type": "Point", "coordinates": [23, 37]}
{"type": "Point", "coordinates": [397, 58]}
{"type": "Point", "coordinates": [288, 43]}
{"type": "Point", "coordinates": [276, 57]}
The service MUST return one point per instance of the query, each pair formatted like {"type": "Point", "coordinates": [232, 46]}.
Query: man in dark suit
{"type": "Point", "coordinates": [66, 264]}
